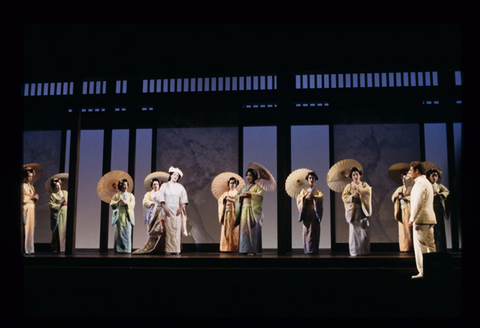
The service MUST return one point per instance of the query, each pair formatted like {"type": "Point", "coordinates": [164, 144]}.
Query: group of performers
{"type": "Point", "coordinates": [240, 211]}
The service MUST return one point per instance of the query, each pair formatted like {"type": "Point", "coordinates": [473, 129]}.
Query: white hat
{"type": "Point", "coordinates": [174, 169]}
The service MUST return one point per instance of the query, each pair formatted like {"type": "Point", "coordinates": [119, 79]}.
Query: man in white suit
{"type": "Point", "coordinates": [422, 215]}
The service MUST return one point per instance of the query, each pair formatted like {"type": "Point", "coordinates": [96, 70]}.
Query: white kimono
{"type": "Point", "coordinates": [174, 196]}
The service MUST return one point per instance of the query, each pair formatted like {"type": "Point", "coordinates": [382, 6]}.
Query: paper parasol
{"type": "Point", "coordinates": [61, 176]}
{"type": "Point", "coordinates": [430, 166]}
{"type": "Point", "coordinates": [220, 183]}
{"type": "Point", "coordinates": [337, 176]}
{"type": "Point", "coordinates": [395, 170]}
{"type": "Point", "coordinates": [37, 168]}
{"type": "Point", "coordinates": [107, 186]}
{"type": "Point", "coordinates": [265, 179]}
{"type": "Point", "coordinates": [161, 176]}
{"type": "Point", "coordinates": [296, 182]}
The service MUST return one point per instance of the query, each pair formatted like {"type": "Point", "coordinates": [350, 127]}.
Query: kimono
{"type": "Point", "coordinates": [310, 215]}
{"type": "Point", "coordinates": [441, 215]}
{"type": "Point", "coordinates": [154, 218]}
{"type": "Point", "coordinates": [58, 220]}
{"type": "Point", "coordinates": [249, 215]}
{"type": "Point", "coordinates": [123, 219]}
{"type": "Point", "coordinates": [28, 217]}
{"type": "Point", "coordinates": [401, 212]}
{"type": "Point", "coordinates": [357, 212]}
{"type": "Point", "coordinates": [229, 236]}
{"type": "Point", "coordinates": [174, 195]}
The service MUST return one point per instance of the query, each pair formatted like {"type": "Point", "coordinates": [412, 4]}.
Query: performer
{"type": "Point", "coordinates": [310, 207]}
{"type": "Point", "coordinates": [154, 218]}
{"type": "Point", "coordinates": [173, 199]}
{"type": "Point", "coordinates": [123, 218]}
{"type": "Point", "coordinates": [422, 216]}
{"type": "Point", "coordinates": [401, 211]}
{"type": "Point", "coordinates": [30, 198]}
{"type": "Point", "coordinates": [58, 215]}
{"type": "Point", "coordinates": [226, 215]}
{"type": "Point", "coordinates": [357, 199]}
{"type": "Point", "coordinates": [249, 215]}
{"type": "Point", "coordinates": [440, 194]}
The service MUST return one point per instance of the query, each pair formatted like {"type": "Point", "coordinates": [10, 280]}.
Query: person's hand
{"type": "Point", "coordinates": [179, 211]}
{"type": "Point", "coordinates": [167, 212]}
{"type": "Point", "coordinates": [152, 205]}
{"type": "Point", "coordinates": [410, 224]}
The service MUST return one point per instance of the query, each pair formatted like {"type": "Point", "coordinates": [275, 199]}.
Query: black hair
{"type": "Point", "coordinates": [52, 182]}
{"type": "Point", "coordinates": [313, 174]}
{"type": "Point", "coordinates": [26, 171]}
{"type": "Point", "coordinates": [234, 179]}
{"type": "Point", "coordinates": [355, 169]}
{"type": "Point", "coordinates": [120, 182]}
{"type": "Point", "coordinates": [431, 171]}
{"type": "Point", "coordinates": [254, 174]}
{"type": "Point", "coordinates": [153, 180]}
{"type": "Point", "coordinates": [170, 177]}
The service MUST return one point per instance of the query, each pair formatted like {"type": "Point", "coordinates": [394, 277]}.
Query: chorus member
{"type": "Point", "coordinates": [123, 218]}
{"type": "Point", "coordinates": [357, 199]}
{"type": "Point", "coordinates": [154, 218]}
{"type": "Point", "coordinates": [422, 215]}
{"type": "Point", "coordinates": [249, 214]}
{"type": "Point", "coordinates": [440, 194]}
{"type": "Point", "coordinates": [310, 207]}
{"type": "Point", "coordinates": [58, 215]}
{"type": "Point", "coordinates": [229, 234]}
{"type": "Point", "coordinates": [401, 210]}
{"type": "Point", "coordinates": [173, 199]}
{"type": "Point", "coordinates": [30, 198]}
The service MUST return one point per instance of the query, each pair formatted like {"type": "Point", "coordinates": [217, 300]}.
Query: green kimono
{"type": "Point", "coordinates": [58, 219]}
{"type": "Point", "coordinates": [249, 215]}
{"type": "Point", "coordinates": [123, 218]}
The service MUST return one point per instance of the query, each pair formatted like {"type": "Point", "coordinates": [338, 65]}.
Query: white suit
{"type": "Point", "coordinates": [423, 218]}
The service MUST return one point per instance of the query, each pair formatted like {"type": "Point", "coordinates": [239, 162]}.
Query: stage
{"type": "Point", "coordinates": [224, 285]}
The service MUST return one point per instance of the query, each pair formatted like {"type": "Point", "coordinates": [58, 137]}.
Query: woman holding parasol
{"type": "Point", "coordinates": [225, 188]}
{"type": "Point", "coordinates": [401, 200]}
{"type": "Point", "coordinates": [58, 209]}
{"type": "Point", "coordinates": [153, 214]}
{"type": "Point", "coordinates": [310, 208]}
{"type": "Point", "coordinates": [249, 212]}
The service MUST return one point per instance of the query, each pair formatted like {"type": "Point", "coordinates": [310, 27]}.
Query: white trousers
{"type": "Point", "coordinates": [423, 242]}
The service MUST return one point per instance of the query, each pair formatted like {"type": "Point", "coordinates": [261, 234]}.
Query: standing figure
{"type": "Point", "coordinates": [154, 218]}
{"type": "Point", "coordinates": [249, 215]}
{"type": "Point", "coordinates": [30, 198]}
{"type": "Point", "coordinates": [58, 214]}
{"type": "Point", "coordinates": [310, 207]}
{"type": "Point", "coordinates": [226, 216]}
{"type": "Point", "coordinates": [401, 209]}
{"type": "Point", "coordinates": [123, 218]}
{"type": "Point", "coordinates": [357, 198]}
{"type": "Point", "coordinates": [422, 216]}
{"type": "Point", "coordinates": [440, 194]}
{"type": "Point", "coordinates": [173, 199]}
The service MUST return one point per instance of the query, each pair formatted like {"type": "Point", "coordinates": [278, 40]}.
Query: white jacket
{"type": "Point", "coordinates": [421, 201]}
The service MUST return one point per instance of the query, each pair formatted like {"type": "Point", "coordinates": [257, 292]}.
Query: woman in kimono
{"type": "Point", "coordinates": [226, 216]}
{"type": "Point", "coordinates": [173, 199]}
{"type": "Point", "coordinates": [440, 194]}
{"type": "Point", "coordinates": [154, 218]}
{"type": "Point", "coordinates": [310, 207]}
{"type": "Point", "coordinates": [357, 198]}
{"type": "Point", "coordinates": [249, 215]}
{"type": "Point", "coordinates": [123, 218]}
{"type": "Point", "coordinates": [58, 215]}
{"type": "Point", "coordinates": [401, 211]}
{"type": "Point", "coordinates": [30, 198]}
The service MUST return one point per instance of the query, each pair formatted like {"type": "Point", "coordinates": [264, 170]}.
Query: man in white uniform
{"type": "Point", "coordinates": [422, 216]}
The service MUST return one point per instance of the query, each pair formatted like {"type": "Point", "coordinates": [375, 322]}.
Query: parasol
{"type": "Point", "coordinates": [395, 170]}
{"type": "Point", "coordinates": [107, 186]}
{"type": "Point", "coordinates": [37, 168]}
{"type": "Point", "coordinates": [220, 183]}
{"type": "Point", "coordinates": [265, 179]}
{"type": "Point", "coordinates": [62, 176]}
{"type": "Point", "coordinates": [161, 176]}
{"type": "Point", "coordinates": [430, 166]}
{"type": "Point", "coordinates": [296, 182]}
{"type": "Point", "coordinates": [337, 176]}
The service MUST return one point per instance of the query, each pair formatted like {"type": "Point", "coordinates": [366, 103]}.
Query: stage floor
{"type": "Point", "coordinates": [213, 284]}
